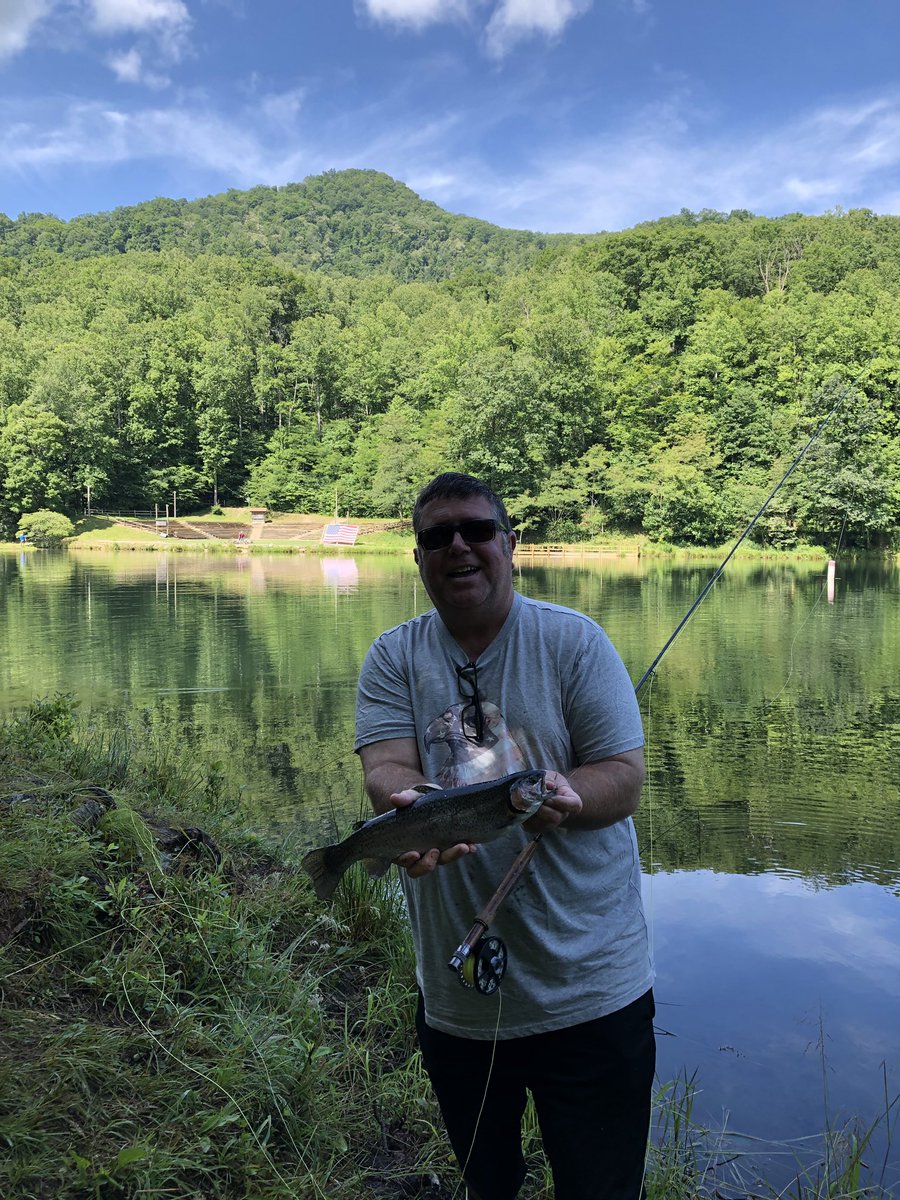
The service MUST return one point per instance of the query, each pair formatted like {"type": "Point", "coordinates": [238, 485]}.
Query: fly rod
{"type": "Point", "coordinates": [813, 438]}
{"type": "Point", "coordinates": [480, 961]}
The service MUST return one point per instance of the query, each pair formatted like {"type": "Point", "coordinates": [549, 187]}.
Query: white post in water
{"type": "Point", "coordinates": [830, 581]}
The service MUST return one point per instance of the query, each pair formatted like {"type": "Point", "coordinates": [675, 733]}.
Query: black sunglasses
{"type": "Point", "coordinates": [468, 676]}
{"type": "Point", "coordinates": [479, 529]}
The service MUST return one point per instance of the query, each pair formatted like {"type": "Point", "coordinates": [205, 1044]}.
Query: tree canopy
{"type": "Point", "coordinates": [657, 380]}
{"type": "Point", "coordinates": [347, 222]}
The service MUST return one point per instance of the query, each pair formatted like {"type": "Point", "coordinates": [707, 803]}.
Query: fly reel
{"type": "Point", "coordinates": [480, 961]}
{"type": "Point", "coordinates": [484, 966]}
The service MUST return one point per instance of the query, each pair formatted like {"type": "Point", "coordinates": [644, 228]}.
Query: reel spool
{"type": "Point", "coordinates": [485, 966]}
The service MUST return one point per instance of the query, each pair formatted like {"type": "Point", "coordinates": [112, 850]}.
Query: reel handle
{"type": "Point", "coordinates": [464, 949]}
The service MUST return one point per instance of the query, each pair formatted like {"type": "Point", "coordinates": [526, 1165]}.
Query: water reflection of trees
{"type": "Point", "coordinates": [807, 785]}
{"type": "Point", "coordinates": [773, 723]}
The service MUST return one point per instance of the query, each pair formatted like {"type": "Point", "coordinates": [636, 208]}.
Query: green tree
{"type": "Point", "coordinates": [850, 483]}
{"type": "Point", "coordinates": [498, 424]}
{"type": "Point", "coordinates": [404, 457]}
{"type": "Point", "coordinates": [686, 504]}
{"type": "Point", "coordinates": [312, 363]}
{"type": "Point", "coordinates": [34, 454]}
{"type": "Point", "coordinates": [285, 478]}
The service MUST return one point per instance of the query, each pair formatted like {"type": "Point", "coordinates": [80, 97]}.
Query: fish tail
{"type": "Point", "coordinates": [324, 876]}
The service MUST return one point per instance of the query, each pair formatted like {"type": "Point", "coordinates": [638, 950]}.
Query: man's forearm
{"type": "Point", "coordinates": [610, 790]}
{"type": "Point", "coordinates": [386, 779]}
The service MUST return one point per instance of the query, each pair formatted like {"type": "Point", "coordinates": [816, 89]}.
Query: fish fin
{"type": "Point", "coordinates": [324, 878]}
{"type": "Point", "coordinates": [377, 866]}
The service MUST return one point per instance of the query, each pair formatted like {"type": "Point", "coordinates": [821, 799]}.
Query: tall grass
{"type": "Point", "coordinates": [176, 1026]}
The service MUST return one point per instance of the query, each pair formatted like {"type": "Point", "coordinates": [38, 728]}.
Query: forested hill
{"type": "Point", "coordinates": [349, 222]}
{"type": "Point", "coordinates": [657, 380]}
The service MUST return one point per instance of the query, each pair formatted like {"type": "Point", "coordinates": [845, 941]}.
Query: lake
{"type": "Point", "coordinates": [770, 824]}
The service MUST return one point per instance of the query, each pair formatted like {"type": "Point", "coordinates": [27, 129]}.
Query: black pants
{"type": "Point", "coordinates": [591, 1085]}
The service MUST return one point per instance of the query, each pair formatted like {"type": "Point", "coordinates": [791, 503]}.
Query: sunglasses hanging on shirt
{"type": "Point", "coordinates": [467, 678]}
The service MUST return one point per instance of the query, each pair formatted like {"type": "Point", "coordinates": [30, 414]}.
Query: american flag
{"type": "Point", "coordinates": [339, 535]}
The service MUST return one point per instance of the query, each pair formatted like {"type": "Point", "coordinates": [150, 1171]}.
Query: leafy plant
{"type": "Point", "coordinates": [45, 528]}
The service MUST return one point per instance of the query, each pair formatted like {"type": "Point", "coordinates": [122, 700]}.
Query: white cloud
{"type": "Point", "coordinates": [415, 13]}
{"type": "Point", "coordinates": [283, 107]}
{"type": "Point", "coordinates": [17, 20]}
{"type": "Point", "coordinates": [832, 156]}
{"type": "Point", "coordinates": [511, 20]}
{"type": "Point", "coordinates": [516, 19]}
{"type": "Point", "coordinates": [99, 135]}
{"type": "Point", "coordinates": [161, 23]}
{"type": "Point", "coordinates": [667, 158]}
{"type": "Point", "coordinates": [117, 16]}
{"type": "Point", "coordinates": [128, 67]}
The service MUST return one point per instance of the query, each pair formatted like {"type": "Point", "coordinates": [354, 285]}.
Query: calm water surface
{"type": "Point", "coordinates": [770, 826]}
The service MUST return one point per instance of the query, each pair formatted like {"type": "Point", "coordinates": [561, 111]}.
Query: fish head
{"type": "Point", "coordinates": [527, 793]}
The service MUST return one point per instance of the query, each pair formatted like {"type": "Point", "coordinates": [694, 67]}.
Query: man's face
{"type": "Point", "coordinates": [464, 576]}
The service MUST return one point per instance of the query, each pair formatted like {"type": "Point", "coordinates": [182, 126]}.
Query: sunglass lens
{"type": "Point", "coordinates": [439, 537]}
{"type": "Point", "coordinates": [477, 531]}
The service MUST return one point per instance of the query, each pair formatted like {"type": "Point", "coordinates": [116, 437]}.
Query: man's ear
{"type": "Point", "coordinates": [416, 555]}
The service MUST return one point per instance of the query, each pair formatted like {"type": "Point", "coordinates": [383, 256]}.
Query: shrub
{"type": "Point", "coordinates": [46, 528]}
{"type": "Point", "coordinates": [565, 531]}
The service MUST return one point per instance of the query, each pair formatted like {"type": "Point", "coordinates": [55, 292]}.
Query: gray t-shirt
{"type": "Point", "coordinates": [555, 694]}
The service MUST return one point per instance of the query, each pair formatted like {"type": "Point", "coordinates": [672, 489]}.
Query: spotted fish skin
{"type": "Point", "coordinates": [479, 812]}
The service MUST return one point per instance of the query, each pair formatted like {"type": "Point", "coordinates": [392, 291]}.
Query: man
{"type": "Point", "coordinates": [485, 684]}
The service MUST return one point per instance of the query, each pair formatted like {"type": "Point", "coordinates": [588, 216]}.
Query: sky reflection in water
{"type": "Point", "coordinates": [784, 998]}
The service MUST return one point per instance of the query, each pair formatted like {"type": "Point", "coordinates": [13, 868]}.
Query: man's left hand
{"type": "Point", "coordinates": [563, 802]}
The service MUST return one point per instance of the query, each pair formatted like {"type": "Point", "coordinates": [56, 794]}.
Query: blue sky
{"type": "Point", "coordinates": [553, 115]}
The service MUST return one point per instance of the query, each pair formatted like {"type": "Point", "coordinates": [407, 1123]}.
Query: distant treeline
{"type": "Point", "coordinates": [346, 222]}
{"type": "Point", "coordinates": [339, 341]}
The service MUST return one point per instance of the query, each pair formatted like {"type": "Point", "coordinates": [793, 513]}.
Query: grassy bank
{"type": "Point", "coordinates": [300, 533]}
{"type": "Point", "coordinates": [180, 1018]}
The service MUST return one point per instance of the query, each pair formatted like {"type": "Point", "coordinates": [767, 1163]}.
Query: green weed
{"type": "Point", "coordinates": [180, 1025]}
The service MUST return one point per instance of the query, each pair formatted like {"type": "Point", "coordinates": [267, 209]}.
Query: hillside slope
{"type": "Point", "coordinates": [348, 222]}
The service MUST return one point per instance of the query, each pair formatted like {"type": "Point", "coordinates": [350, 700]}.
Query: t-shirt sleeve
{"type": "Point", "coordinates": [383, 699]}
{"type": "Point", "coordinates": [602, 712]}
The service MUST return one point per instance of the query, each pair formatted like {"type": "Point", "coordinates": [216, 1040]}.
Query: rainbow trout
{"type": "Point", "coordinates": [479, 812]}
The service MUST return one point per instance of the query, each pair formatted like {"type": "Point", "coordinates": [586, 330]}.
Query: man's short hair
{"type": "Point", "coordinates": [454, 486]}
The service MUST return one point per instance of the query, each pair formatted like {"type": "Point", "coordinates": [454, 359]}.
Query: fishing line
{"type": "Point", "coordinates": [651, 925]}
{"type": "Point", "coordinates": [210, 1080]}
{"type": "Point", "coordinates": [650, 672]}
{"type": "Point", "coordinates": [41, 962]}
{"type": "Point", "coordinates": [462, 1181]}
